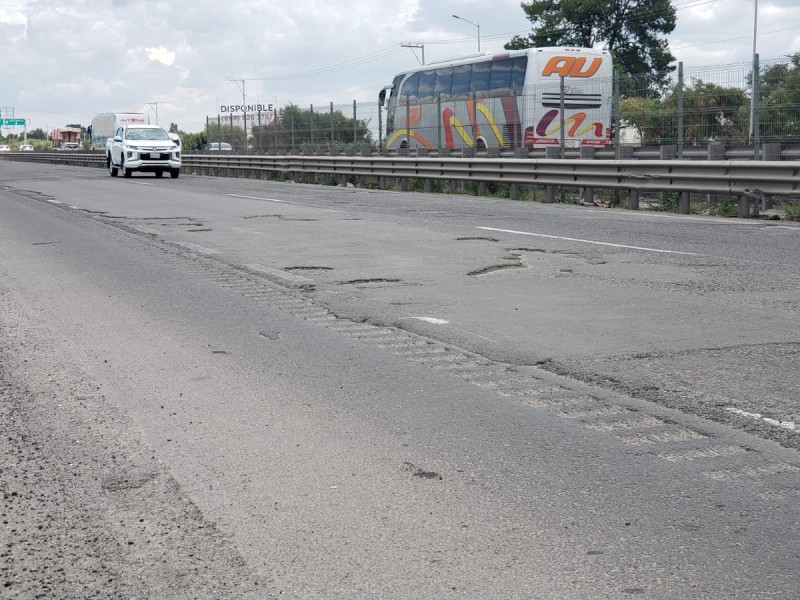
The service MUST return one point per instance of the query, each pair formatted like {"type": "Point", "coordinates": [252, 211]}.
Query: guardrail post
{"type": "Point", "coordinates": [716, 152]}
{"type": "Point", "coordinates": [743, 210]}
{"type": "Point", "coordinates": [771, 151]}
{"type": "Point", "coordinates": [667, 151]}
{"type": "Point", "coordinates": [684, 203]}
{"type": "Point", "coordinates": [481, 188]}
{"type": "Point", "coordinates": [513, 191]}
{"type": "Point", "coordinates": [381, 182]}
{"type": "Point", "coordinates": [633, 199]}
{"type": "Point", "coordinates": [549, 194]}
{"type": "Point", "coordinates": [588, 195]}
{"type": "Point", "coordinates": [625, 152]}
{"type": "Point", "coordinates": [428, 185]}
{"type": "Point", "coordinates": [552, 152]}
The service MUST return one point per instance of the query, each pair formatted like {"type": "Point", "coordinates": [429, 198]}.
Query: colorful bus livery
{"type": "Point", "coordinates": [503, 101]}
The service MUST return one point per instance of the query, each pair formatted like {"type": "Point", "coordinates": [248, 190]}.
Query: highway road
{"type": "Point", "coordinates": [229, 388]}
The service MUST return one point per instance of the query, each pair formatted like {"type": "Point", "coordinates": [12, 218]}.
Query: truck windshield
{"type": "Point", "coordinates": [152, 133]}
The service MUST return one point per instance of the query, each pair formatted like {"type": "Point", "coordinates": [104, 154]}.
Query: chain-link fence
{"type": "Point", "coordinates": [293, 130]}
{"type": "Point", "coordinates": [697, 107]}
{"type": "Point", "coordinates": [713, 104]}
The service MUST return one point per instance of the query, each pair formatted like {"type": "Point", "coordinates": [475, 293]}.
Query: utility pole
{"type": "Point", "coordinates": [412, 46]}
{"type": "Point", "coordinates": [154, 104]}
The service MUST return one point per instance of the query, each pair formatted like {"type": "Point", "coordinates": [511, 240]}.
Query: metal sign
{"type": "Point", "coordinates": [12, 121]}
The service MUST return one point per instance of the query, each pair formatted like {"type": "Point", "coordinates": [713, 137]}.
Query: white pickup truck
{"type": "Point", "coordinates": [146, 148]}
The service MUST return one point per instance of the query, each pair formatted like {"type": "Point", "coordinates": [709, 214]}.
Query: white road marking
{"type": "Point", "coordinates": [569, 239]}
{"type": "Point", "coordinates": [140, 182]}
{"type": "Point", "coordinates": [432, 320]}
{"type": "Point", "coordinates": [782, 227]}
{"type": "Point", "coordinates": [255, 198]}
{"type": "Point", "coordinates": [55, 201]}
{"type": "Point", "coordinates": [790, 425]}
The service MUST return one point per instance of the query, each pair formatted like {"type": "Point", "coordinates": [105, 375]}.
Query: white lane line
{"type": "Point", "coordinates": [790, 425]}
{"type": "Point", "coordinates": [569, 239]}
{"type": "Point", "coordinates": [432, 320]}
{"type": "Point", "coordinates": [435, 321]}
{"type": "Point", "coordinates": [255, 198]}
{"type": "Point", "coordinates": [782, 227]}
{"type": "Point", "coordinates": [140, 182]}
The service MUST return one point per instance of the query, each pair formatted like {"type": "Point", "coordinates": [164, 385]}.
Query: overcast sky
{"type": "Point", "coordinates": [63, 61]}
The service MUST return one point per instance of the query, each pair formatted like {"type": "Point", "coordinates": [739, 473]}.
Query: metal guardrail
{"type": "Point", "coordinates": [745, 179]}
{"type": "Point", "coordinates": [733, 178]}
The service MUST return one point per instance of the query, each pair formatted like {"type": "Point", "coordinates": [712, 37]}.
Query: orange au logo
{"type": "Point", "coordinates": [571, 66]}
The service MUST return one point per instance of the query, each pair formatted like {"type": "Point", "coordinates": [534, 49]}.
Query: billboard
{"type": "Point", "coordinates": [238, 111]}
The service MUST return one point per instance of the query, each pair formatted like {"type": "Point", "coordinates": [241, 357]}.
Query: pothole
{"type": "Point", "coordinates": [494, 268]}
{"type": "Point", "coordinates": [373, 280]}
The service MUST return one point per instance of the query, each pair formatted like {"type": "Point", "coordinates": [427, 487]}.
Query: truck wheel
{"type": "Point", "coordinates": [159, 173]}
{"type": "Point", "coordinates": [111, 168]}
{"type": "Point", "coordinates": [126, 172]}
{"type": "Point", "coordinates": [175, 173]}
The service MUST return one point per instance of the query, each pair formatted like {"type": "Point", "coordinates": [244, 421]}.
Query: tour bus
{"type": "Point", "coordinates": [104, 125]}
{"type": "Point", "coordinates": [507, 100]}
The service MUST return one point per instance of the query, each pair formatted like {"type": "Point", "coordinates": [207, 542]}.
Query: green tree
{"type": "Point", "coordinates": [631, 30]}
{"type": "Point", "coordinates": [193, 141]}
{"type": "Point", "coordinates": [173, 128]}
{"type": "Point", "coordinates": [296, 128]}
{"type": "Point", "coordinates": [711, 113]}
{"type": "Point", "coordinates": [780, 101]}
{"type": "Point", "coordinates": [37, 134]}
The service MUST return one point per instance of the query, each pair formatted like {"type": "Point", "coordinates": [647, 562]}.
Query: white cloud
{"type": "Point", "coordinates": [161, 54]}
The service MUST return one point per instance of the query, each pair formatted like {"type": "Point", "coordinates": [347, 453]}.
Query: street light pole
{"type": "Point", "coordinates": [474, 25]}
{"type": "Point", "coordinates": [756, 90]}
